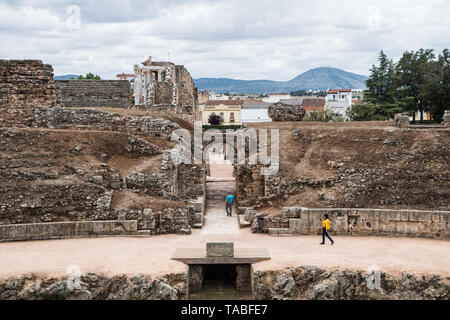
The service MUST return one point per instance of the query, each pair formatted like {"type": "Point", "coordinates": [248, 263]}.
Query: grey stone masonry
{"type": "Point", "coordinates": [220, 249]}
{"type": "Point", "coordinates": [93, 93]}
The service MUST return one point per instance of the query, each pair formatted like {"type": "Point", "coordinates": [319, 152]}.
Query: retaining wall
{"type": "Point", "coordinates": [383, 222]}
{"type": "Point", "coordinates": [60, 230]}
{"type": "Point", "coordinates": [93, 93]}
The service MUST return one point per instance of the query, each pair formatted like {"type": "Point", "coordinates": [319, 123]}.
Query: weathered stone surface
{"type": "Point", "coordinates": [286, 112]}
{"type": "Point", "coordinates": [309, 282]}
{"type": "Point", "coordinates": [243, 278]}
{"type": "Point", "coordinates": [401, 120]}
{"type": "Point", "coordinates": [220, 249]}
{"type": "Point", "coordinates": [93, 286]}
{"type": "Point", "coordinates": [196, 274]}
{"type": "Point", "coordinates": [93, 93]}
{"type": "Point", "coordinates": [92, 119]}
{"type": "Point", "coordinates": [412, 223]}
{"type": "Point", "coordinates": [24, 84]}
{"type": "Point", "coordinates": [56, 230]}
{"type": "Point", "coordinates": [446, 118]}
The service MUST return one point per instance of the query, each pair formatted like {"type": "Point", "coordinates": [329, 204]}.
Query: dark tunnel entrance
{"type": "Point", "coordinates": [219, 282]}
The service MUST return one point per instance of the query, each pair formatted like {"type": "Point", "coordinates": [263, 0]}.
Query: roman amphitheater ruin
{"type": "Point", "coordinates": [92, 207]}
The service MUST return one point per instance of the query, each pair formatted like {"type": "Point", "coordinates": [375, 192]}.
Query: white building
{"type": "Point", "coordinates": [218, 96]}
{"type": "Point", "coordinates": [338, 101]}
{"type": "Point", "coordinates": [277, 97]}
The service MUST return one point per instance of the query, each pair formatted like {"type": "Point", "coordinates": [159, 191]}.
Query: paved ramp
{"type": "Point", "coordinates": [218, 185]}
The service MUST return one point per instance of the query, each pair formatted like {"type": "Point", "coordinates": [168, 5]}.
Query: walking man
{"type": "Point", "coordinates": [229, 205]}
{"type": "Point", "coordinates": [325, 228]}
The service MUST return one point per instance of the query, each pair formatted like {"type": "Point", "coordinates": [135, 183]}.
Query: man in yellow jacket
{"type": "Point", "coordinates": [325, 228]}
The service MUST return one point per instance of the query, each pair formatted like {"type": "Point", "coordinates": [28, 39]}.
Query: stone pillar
{"type": "Point", "coordinates": [196, 276]}
{"type": "Point", "coordinates": [145, 87]}
{"type": "Point", "coordinates": [137, 87]}
{"type": "Point", "coordinates": [243, 279]}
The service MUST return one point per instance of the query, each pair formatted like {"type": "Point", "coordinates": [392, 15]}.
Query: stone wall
{"type": "Point", "coordinates": [62, 230]}
{"type": "Point", "coordinates": [92, 119]}
{"type": "Point", "coordinates": [313, 283]}
{"type": "Point", "coordinates": [187, 92]}
{"type": "Point", "coordinates": [165, 221]}
{"type": "Point", "coordinates": [23, 85]}
{"type": "Point", "coordinates": [93, 286]}
{"type": "Point", "coordinates": [381, 222]}
{"type": "Point", "coordinates": [93, 93]}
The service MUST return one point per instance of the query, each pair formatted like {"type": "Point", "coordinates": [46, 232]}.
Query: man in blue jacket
{"type": "Point", "coordinates": [229, 205]}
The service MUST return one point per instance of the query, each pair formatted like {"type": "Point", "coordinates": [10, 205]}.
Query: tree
{"type": "Point", "coordinates": [89, 76]}
{"type": "Point", "coordinates": [381, 84]}
{"type": "Point", "coordinates": [415, 71]}
{"type": "Point", "coordinates": [215, 119]}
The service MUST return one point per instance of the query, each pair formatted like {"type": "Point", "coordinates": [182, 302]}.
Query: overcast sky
{"type": "Point", "coordinates": [251, 39]}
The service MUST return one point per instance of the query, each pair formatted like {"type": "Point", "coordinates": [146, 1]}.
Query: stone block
{"type": "Point", "coordinates": [291, 212]}
{"type": "Point", "coordinates": [243, 279]}
{"type": "Point", "coordinates": [296, 226]}
{"type": "Point", "coordinates": [220, 249]}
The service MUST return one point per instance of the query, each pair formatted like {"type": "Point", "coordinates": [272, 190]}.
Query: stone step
{"type": "Point", "coordinates": [146, 233]}
{"type": "Point", "coordinates": [198, 218]}
{"type": "Point", "coordinates": [243, 223]}
{"type": "Point", "coordinates": [280, 232]}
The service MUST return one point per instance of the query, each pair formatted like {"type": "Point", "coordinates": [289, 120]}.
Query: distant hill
{"type": "Point", "coordinates": [66, 77]}
{"type": "Point", "coordinates": [315, 79]}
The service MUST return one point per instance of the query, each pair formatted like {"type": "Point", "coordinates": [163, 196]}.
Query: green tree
{"type": "Point", "coordinates": [415, 73]}
{"type": "Point", "coordinates": [381, 84]}
{"type": "Point", "coordinates": [89, 76]}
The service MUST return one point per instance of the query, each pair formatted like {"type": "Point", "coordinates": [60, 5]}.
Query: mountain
{"type": "Point", "coordinates": [315, 79]}
{"type": "Point", "coordinates": [66, 77]}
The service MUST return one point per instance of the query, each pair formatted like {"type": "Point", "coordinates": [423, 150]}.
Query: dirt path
{"type": "Point", "coordinates": [152, 255]}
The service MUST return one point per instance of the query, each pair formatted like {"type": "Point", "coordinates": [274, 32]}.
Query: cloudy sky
{"type": "Point", "coordinates": [251, 39]}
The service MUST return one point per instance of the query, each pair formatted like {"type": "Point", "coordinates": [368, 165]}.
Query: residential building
{"type": "Point", "coordinates": [314, 105]}
{"type": "Point", "coordinates": [338, 101]}
{"type": "Point", "coordinates": [228, 110]}
{"type": "Point", "coordinates": [255, 111]}
{"type": "Point", "coordinates": [277, 97]}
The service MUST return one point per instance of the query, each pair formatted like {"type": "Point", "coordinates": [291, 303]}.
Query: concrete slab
{"type": "Point", "coordinates": [241, 256]}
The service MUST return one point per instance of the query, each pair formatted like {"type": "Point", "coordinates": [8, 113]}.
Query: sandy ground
{"type": "Point", "coordinates": [127, 255]}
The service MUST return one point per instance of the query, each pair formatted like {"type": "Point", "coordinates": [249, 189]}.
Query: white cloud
{"type": "Point", "coordinates": [255, 39]}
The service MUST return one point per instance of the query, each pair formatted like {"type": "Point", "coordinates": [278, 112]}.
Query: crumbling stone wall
{"type": "Point", "coordinates": [191, 180]}
{"type": "Point", "coordinates": [380, 222]}
{"type": "Point", "coordinates": [187, 92]}
{"type": "Point", "coordinates": [313, 283]}
{"type": "Point", "coordinates": [91, 119]}
{"type": "Point", "coordinates": [286, 112]}
{"type": "Point", "coordinates": [165, 221]}
{"type": "Point", "coordinates": [94, 286]}
{"type": "Point", "coordinates": [93, 93]}
{"type": "Point", "coordinates": [23, 85]}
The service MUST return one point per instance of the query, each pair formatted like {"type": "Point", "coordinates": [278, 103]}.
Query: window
{"type": "Point", "coordinates": [232, 117]}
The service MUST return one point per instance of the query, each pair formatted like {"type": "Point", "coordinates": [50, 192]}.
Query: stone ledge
{"type": "Point", "coordinates": [71, 229]}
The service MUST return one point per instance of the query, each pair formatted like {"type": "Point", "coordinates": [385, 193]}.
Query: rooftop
{"type": "Point", "coordinates": [339, 90]}
{"type": "Point", "coordinates": [225, 102]}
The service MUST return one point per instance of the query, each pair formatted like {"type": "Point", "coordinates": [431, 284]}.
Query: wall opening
{"type": "Point", "coordinates": [219, 281]}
